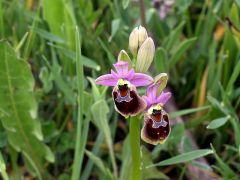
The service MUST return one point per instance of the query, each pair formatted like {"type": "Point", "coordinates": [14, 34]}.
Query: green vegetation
{"type": "Point", "coordinates": [56, 123]}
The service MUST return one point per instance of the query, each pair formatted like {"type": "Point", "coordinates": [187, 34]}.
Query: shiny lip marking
{"type": "Point", "coordinates": [158, 121]}
{"type": "Point", "coordinates": [123, 91]}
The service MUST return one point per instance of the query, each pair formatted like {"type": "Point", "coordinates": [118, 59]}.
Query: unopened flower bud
{"type": "Point", "coordinates": [145, 55]}
{"type": "Point", "coordinates": [136, 39]}
{"type": "Point", "coordinates": [123, 56]}
{"type": "Point", "coordinates": [162, 80]}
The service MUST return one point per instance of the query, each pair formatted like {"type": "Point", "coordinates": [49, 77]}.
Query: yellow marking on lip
{"type": "Point", "coordinates": [122, 82]}
{"type": "Point", "coordinates": [156, 107]}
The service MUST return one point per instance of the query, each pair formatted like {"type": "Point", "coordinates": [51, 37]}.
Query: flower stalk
{"type": "Point", "coordinates": [135, 147]}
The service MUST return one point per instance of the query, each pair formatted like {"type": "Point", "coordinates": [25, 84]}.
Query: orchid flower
{"type": "Point", "coordinates": [156, 122]}
{"type": "Point", "coordinates": [127, 100]}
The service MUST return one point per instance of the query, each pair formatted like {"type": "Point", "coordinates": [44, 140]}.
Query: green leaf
{"type": "Point", "coordinates": [150, 173]}
{"type": "Point", "coordinates": [125, 3]}
{"type": "Point", "coordinates": [238, 3]}
{"type": "Point", "coordinates": [115, 27]}
{"type": "Point", "coordinates": [180, 50]}
{"type": "Point", "coordinates": [98, 162]}
{"type": "Point", "coordinates": [174, 35]}
{"type": "Point", "coordinates": [3, 168]}
{"type": "Point", "coordinates": [17, 100]}
{"type": "Point", "coordinates": [183, 5]}
{"type": "Point", "coordinates": [216, 123]}
{"type": "Point", "coordinates": [173, 115]}
{"type": "Point", "coordinates": [100, 111]}
{"type": "Point", "coordinates": [233, 78]}
{"type": "Point", "coordinates": [218, 105]}
{"type": "Point", "coordinates": [61, 20]}
{"type": "Point", "coordinates": [87, 62]}
{"type": "Point", "coordinates": [46, 79]}
{"type": "Point", "coordinates": [49, 36]}
{"type": "Point", "coordinates": [185, 157]}
{"type": "Point", "coordinates": [226, 171]}
{"type": "Point", "coordinates": [160, 60]}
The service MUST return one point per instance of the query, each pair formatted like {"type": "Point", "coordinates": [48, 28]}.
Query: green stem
{"type": "Point", "coordinates": [135, 147]}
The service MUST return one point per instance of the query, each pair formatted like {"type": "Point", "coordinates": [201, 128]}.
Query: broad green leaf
{"type": "Point", "coordinates": [185, 157]}
{"type": "Point", "coordinates": [1, 20]}
{"type": "Point", "coordinates": [98, 162]}
{"type": "Point", "coordinates": [115, 27]}
{"type": "Point", "coordinates": [216, 123]}
{"type": "Point", "coordinates": [125, 3]}
{"type": "Point", "coordinates": [180, 50]}
{"type": "Point", "coordinates": [187, 111]}
{"type": "Point", "coordinates": [17, 100]}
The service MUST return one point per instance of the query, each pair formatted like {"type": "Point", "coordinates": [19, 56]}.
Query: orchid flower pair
{"type": "Point", "coordinates": [129, 103]}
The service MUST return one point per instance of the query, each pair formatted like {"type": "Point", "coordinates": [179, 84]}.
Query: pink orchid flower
{"type": "Point", "coordinates": [125, 96]}
{"type": "Point", "coordinates": [156, 122]}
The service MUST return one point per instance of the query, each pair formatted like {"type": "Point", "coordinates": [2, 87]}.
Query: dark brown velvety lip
{"type": "Point", "coordinates": [155, 135]}
{"type": "Point", "coordinates": [133, 107]}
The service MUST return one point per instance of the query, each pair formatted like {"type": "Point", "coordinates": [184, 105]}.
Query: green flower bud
{"type": "Point", "coordinates": [145, 56]}
{"type": "Point", "coordinates": [136, 39]}
{"type": "Point", "coordinates": [162, 79]}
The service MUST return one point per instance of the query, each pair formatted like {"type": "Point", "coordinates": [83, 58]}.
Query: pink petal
{"type": "Point", "coordinates": [114, 74]}
{"type": "Point", "coordinates": [140, 79]}
{"type": "Point", "coordinates": [129, 75]}
{"type": "Point", "coordinates": [107, 80]}
{"type": "Point", "coordinates": [121, 68]}
{"type": "Point", "coordinates": [164, 97]}
{"type": "Point", "coordinates": [152, 91]}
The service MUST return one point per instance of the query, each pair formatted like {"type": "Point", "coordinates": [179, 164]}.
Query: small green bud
{"type": "Point", "coordinates": [145, 55]}
{"type": "Point", "coordinates": [123, 56]}
{"type": "Point", "coordinates": [162, 79]}
{"type": "Point", "coordinates": [136, 39]}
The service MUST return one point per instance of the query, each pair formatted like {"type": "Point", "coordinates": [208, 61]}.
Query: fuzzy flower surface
{"type": "Point", "coordinates": [156, 121]}
{"type": "Point", "coordinates": [124, 80]}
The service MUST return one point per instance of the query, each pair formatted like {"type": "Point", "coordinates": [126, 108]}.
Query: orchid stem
{"type": "Point", "coordinates": [135, 147]}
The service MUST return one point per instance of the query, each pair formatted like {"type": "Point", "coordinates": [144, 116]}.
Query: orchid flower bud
{"type": "Point", "coordinates": [136, 39]}
{"type": "Point", "coordinates": [145, 55]}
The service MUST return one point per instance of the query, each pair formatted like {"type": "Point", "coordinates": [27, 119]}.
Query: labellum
{"type": "Point", "coordinates": [156, 126]}
{"type": "Point", "coordinates": [126, 99]}
{"type": "Point", "coordinates": [156, 121]}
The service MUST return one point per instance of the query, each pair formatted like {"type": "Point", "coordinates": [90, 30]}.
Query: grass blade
{"type": "Point", "coordinates": [173, 115]}
{"type": "Point", "coordinates": [189, 156]}
{"type": "Point", "coordinates": [80, 79]}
